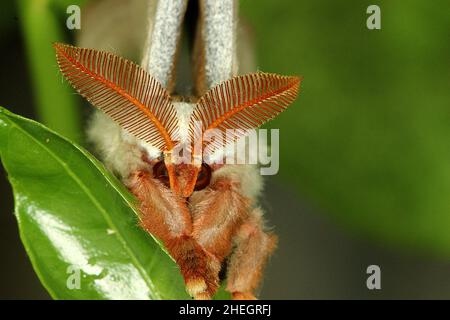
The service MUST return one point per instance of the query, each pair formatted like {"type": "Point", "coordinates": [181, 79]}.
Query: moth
{"type": "Point", "coordinates": [205, 214]}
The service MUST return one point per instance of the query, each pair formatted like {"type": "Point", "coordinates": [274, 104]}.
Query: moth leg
{"type": "Point", "coordinates": [253, 247]}
{"type": "Point", "coordinates": [167, 217]}
{"type": "Point", "coordinates": [217, 213]}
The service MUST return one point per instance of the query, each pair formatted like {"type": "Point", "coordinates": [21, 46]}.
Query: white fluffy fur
{"type": "Point", "coordinates": [219, 39]}
{"type": "Point", "coordinates": [120, 151]}
{"type": "Point", "coordinates": [184, 111]}
{"type": "Point", "coordinates": [163, 35]}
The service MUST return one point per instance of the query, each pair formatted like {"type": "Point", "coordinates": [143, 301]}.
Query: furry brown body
{"type": "Point", "coordinates": [215, 223]}
{"type": "Point", "coordinates": [207, 221]}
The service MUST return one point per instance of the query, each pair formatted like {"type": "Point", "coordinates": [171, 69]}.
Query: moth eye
{"type": "Point", "coordinates": [203, 177]}
{"type": "Point", "coordinates": [160, 172]}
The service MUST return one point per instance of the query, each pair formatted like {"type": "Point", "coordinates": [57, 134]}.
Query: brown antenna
{"type": "Point", "coordinates": [123, 90]}
{"type": "Point", "coordinates": [243, 103]}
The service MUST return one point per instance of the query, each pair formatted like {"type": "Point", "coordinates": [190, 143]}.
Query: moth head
{"type": "Point", "coordinates": [182, 178]}
{"type": "Point", "coordinates": [142, 106]}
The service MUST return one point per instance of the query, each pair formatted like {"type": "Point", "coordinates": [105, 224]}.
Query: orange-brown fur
{"type": "Point", "coordinates": [219, 210]}
{"type": "Point", "coordinates": [253, 246]}
{"type": "Point", "coordinates": [217, 213]}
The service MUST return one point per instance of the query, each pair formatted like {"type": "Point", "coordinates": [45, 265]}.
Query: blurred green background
{"type": "Point", "coordinates": [365, 154]}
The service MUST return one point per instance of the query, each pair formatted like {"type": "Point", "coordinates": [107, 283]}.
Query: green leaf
{"type": "Point", "coordinates": [74, 215]}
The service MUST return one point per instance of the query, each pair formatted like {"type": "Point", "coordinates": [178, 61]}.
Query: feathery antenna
{"type": "Point", "coordinates": [244, 103]}
{"type": "Point", "coordinates": [123, 90]}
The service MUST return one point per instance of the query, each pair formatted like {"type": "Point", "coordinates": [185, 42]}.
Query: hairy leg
{"type": "Point", "coordinates": [217, 213]}
{"type": "Point", "coordinates": [253, 247]}
{"type": "Point", "coordinates": [167, 217]}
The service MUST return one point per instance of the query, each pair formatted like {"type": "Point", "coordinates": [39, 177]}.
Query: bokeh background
{"type": "Point", "coordinates": [365, 155]}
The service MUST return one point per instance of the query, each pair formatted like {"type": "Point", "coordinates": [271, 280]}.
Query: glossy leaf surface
{"type": "Point", "coordinates": [77, 223]}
